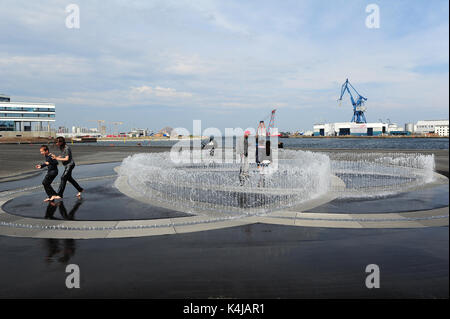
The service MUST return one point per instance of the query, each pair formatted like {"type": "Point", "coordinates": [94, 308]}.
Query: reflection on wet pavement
{"type": "Point", "coordinates": [52, 206]}
{"type": "Point", "coordinates": [59, 250]}
{"type": "Point", "coordinates": [424, 199]}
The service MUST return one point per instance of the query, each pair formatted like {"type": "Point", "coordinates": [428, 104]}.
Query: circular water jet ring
{"type": "Point", "coordinates": [219, 188]}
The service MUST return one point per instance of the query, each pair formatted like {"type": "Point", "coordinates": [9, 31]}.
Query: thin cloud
{"type": "Point", "coordinates": [158, 91]}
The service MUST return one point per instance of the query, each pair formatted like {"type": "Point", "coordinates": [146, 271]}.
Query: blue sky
{"type": "Point", "coordinates": [152, 64]}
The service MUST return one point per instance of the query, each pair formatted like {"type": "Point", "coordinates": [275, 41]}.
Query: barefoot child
{"type": "Point", "coordinates": [52, 172]}
{"type": "Point", "coordinates": [69, 165]}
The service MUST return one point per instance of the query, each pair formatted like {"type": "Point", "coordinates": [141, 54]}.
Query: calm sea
{"type": "Point", "coordinates": [331, 143]}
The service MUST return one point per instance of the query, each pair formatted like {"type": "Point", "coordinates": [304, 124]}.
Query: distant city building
{"type": "Point", "coordinates": [62, 129]}
{"type": "Point", "coordinates": [78, 131]}
{"type": "Point", "coordinates": [138, 132]}
{"type": "Point", "coordinates": [432, 127]}
{"type": "Point", "coordinates": [25, 119]}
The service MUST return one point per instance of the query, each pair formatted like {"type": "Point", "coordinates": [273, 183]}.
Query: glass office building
{"type": "Point", "coordinates": [25, 117]}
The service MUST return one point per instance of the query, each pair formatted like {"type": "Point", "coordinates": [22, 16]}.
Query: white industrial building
{"type": "Point", "coordinates": [439, 127]}
{"type": "Point", "coordinates": [356, 129]}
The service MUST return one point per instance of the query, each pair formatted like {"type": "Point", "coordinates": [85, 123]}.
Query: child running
{"type": "Point", "coordinates": [52, 172]}
{"type": "Point", "coordinates": [69, 165]}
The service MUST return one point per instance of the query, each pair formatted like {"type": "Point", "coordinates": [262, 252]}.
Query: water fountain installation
{"type": "Point", "coordinates": [301, 176]}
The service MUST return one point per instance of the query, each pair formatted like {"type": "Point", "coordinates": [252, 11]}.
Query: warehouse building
{"type": "Point", "coordinates": [356, 129]}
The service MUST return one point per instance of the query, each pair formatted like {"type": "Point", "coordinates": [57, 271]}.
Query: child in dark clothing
{"type": "Point", "coordinates": [52, 171]}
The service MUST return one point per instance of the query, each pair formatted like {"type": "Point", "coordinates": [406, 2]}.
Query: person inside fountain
{"type": "Point", "coordinates": [52, 171]}
{"type": "Point", "coordinates": [69, 165]}
{"type": "Point", "coordinates": [211, 145]}
{"type": "Point", "coordinates": [263, 166]}
{"type": "Point", "coordinates": [242, 150]}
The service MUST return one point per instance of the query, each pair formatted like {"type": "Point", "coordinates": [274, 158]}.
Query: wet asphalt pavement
{"type": "Point", "coordinates": [252, 261]}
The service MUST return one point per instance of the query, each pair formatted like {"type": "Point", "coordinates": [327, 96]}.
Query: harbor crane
{"type": "Point", "coordinates": [270, 128]}
{"type": "Point", "coordinates": [358, 105]}
{"type": "Point", "coordinates": [100, 127]}
{"type": "Point", "coordinates": [271, 123]}
{"type": "Point", "coordinates": [116, 124]}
